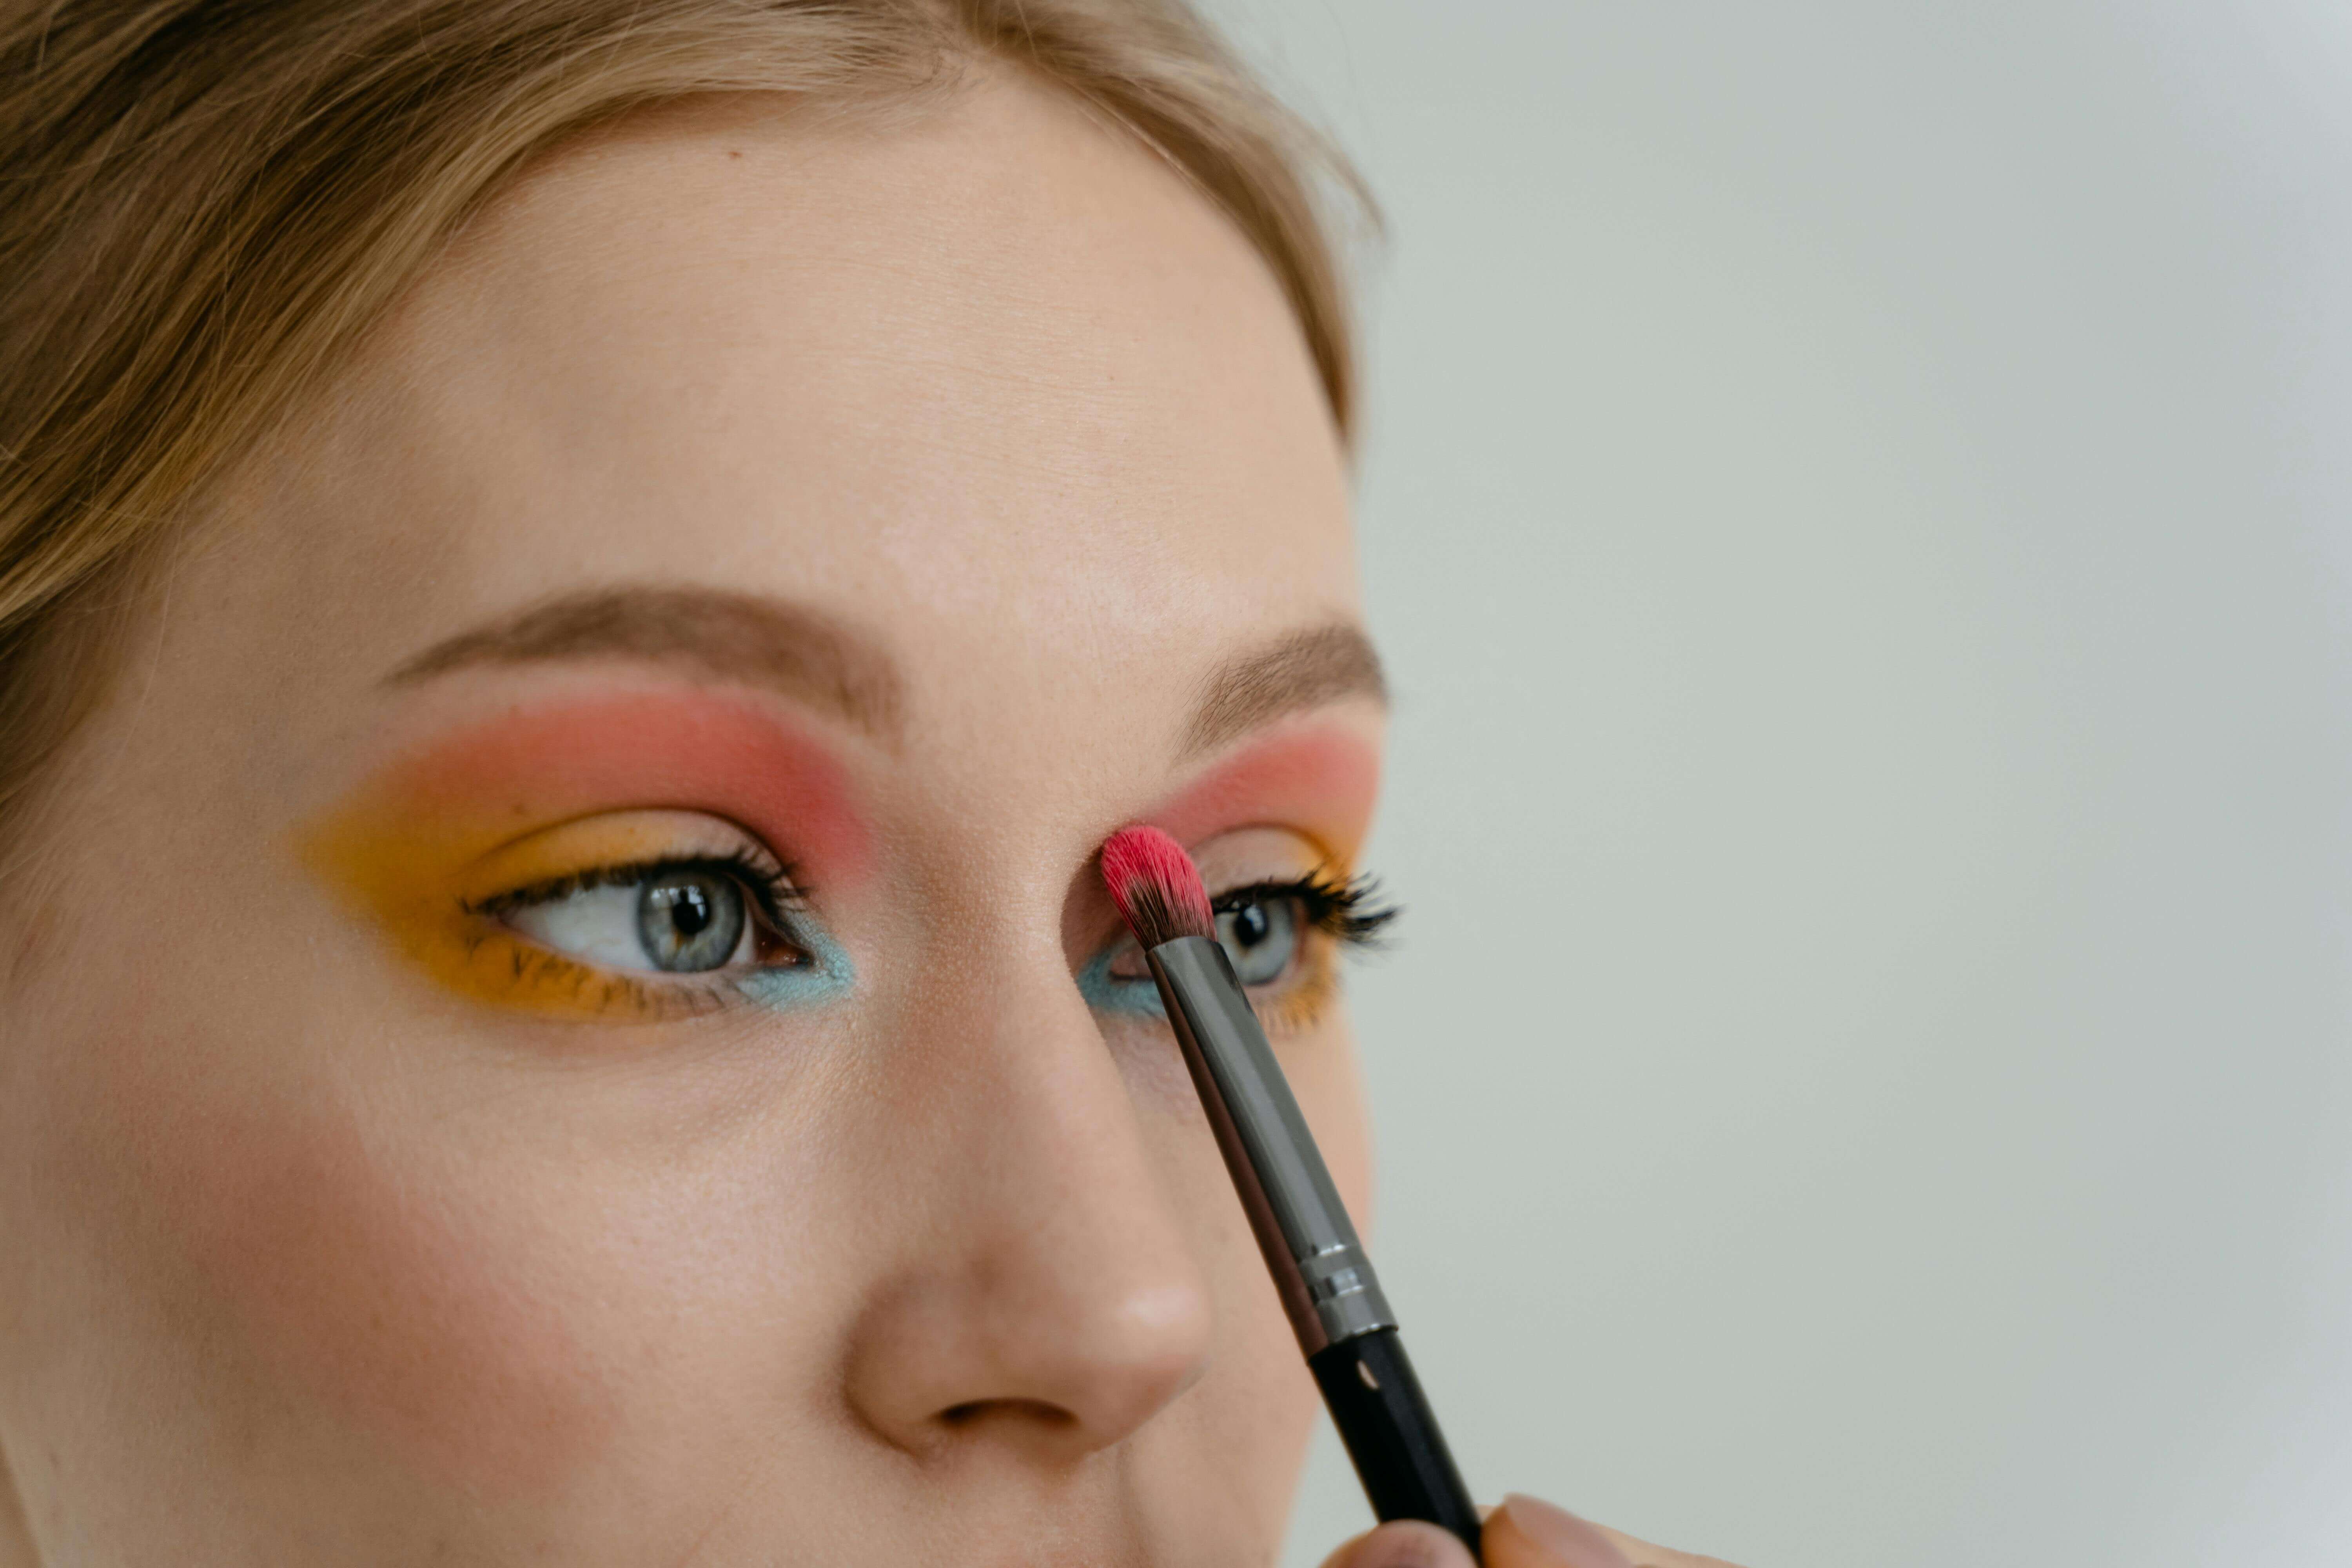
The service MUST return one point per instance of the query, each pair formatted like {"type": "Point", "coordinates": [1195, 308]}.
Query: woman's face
{"type": "Point", "coordinates": [564, 1011]}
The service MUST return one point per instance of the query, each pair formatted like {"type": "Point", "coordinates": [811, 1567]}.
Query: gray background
{"type": "Point", "coordinates": [1853, 501]}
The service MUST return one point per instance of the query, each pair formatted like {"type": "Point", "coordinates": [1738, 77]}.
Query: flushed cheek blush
{"type": "Point", "coordinates": [454, 1323]}
{"type": "Point", "coordinates": [431, 1321]}
{"type": "Point", "coordinates": [566, 790]}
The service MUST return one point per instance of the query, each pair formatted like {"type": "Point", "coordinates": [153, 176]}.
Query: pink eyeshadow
{"type": "Point", "coordinates": [683, 751]}
{"type": "Point", "coordinates": [1321, 777]}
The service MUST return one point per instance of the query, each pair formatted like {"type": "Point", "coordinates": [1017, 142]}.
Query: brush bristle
{"type": "Point", "coordinates": [1156, 885]}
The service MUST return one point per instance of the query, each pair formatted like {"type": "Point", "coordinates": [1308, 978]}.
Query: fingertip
{"type": "Point", "coordinates": [1403, 1544]}
{"type": "Point", "coordinates": [1528, 1533]}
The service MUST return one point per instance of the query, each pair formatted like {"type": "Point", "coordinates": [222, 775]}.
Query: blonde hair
{"type": "Point", "coordinates": [204, 203]}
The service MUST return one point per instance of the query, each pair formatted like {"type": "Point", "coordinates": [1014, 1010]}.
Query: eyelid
{"type": "Point", "coordinates": [432, 883]}
{"type": "Point", "coordinates": [618, 843]}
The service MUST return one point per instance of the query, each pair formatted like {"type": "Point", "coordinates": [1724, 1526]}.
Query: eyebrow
{"type": "Point", "coordinates": [729, 637]}
{"type": "Point", "coordinates": [1304, 669]}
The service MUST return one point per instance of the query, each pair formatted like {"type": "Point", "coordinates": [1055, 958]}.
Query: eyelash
{"type": "Point", "coordinates": [773, 887]}
{"type": "Point", "coordinates": [1350, 910]}
{"type": "Point", "coordinates": [1346, 912]}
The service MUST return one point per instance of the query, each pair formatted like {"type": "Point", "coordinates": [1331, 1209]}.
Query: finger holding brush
{"type": "Point", "coordinates": [1328, 1290]}
{"type": "Point", "coordinates": [1524, 1532]}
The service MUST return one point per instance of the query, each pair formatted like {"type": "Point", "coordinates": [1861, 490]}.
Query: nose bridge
{"type": "Point", "coordinates": [1064, 1197]}
{"type": "Point", "coordinates": [1054, 1302]}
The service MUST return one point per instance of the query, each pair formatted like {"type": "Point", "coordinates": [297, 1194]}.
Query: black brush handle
{"type": "Point", "coordinates": [1399, 1452]}
{"type": "Point", "coordinates": [1327, 1285]}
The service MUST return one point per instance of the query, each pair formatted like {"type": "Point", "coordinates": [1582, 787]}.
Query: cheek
{"type": "Point", "coordinates": [413, 1319]}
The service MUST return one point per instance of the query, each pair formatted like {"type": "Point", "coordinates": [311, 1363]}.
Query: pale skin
{"type": "Point", "coordinates": [326, 1243]}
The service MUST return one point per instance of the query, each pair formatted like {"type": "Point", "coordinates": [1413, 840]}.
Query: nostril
{"type": "Point", "coordinates": [1033, 1410]}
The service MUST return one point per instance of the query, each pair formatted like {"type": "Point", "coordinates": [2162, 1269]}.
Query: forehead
{"type": "Point", "coordinates": [984, 376]}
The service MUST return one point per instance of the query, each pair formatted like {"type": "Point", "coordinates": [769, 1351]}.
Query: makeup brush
{"type": "Point", "coordinates": [1325, 1282]}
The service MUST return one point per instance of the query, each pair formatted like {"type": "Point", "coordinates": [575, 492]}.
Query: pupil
{"type": "Point", "coordinates": [690, 920]}
{"type": "Point", "coordinates": [1261, 939]}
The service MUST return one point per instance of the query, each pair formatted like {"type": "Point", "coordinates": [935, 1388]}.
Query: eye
{"type": "Point", "coordinates": [1261, 936]}
{"type": "Point", "coordinates": [1283, 936]}
{"type": "Point", "coordinates": [1261, 931]}
{"type": "Point", "coordinates": [672, 919]}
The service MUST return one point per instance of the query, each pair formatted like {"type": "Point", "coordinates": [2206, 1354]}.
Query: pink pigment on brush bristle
{"type": "Point", "coordinates": [1156, 885]}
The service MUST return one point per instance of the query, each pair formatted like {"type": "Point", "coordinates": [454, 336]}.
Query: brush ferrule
{"type": "Point", "coordinates": [1326, 1283]}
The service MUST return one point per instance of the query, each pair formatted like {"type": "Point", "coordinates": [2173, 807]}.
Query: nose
{"type": "Point", "coordinates": [1051, 1303]}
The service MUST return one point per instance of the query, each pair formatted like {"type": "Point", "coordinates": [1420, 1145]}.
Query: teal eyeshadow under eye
{"type": "Point", "coordinates": [827, 976]}
{"type": "Point", "coordinates": [1136, 996]}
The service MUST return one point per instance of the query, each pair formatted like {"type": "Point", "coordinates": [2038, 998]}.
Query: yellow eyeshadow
{"type": "Point", "coordinates": [572, 849]}
{"type": "Point", "coordinates": [423, 881]}
{"type": "Point", "coordinates": [1301, 1005]}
